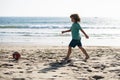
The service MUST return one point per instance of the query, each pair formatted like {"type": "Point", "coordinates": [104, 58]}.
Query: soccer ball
{"type": "Point", "coordinates": [16, 55]}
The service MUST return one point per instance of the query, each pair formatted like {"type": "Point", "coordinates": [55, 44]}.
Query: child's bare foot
{"type": "Point", "coordinates": [66, 60]}
{"type": "Point", "coordinates": [87, 57]}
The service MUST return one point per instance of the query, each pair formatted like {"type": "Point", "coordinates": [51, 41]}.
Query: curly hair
{"type": "Point", "coordinates": [76, 17]}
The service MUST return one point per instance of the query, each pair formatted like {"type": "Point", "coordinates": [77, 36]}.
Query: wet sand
{"type": "Point", "coordinates": [43, 63]}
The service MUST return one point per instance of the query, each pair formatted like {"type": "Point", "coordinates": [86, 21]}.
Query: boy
{"type": "Point", "coordinates": [76, 39]}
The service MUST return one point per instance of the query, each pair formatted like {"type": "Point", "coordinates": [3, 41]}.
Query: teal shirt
{"type": "Point", "coordinates": [75, 31]}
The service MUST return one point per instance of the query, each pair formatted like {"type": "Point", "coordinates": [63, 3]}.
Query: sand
{"type": "Point", "coordinates": [43, 63]}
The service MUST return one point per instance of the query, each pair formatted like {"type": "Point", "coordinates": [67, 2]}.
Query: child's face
{"type": "Point", "coordinates": [72, 19]}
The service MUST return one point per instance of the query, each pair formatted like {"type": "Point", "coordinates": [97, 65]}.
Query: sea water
{"type": "Point", "coordinates": [47, 30]}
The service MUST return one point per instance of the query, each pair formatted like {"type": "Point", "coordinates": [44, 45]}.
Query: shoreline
{"type": "Point", "coordinates": [5, 45]}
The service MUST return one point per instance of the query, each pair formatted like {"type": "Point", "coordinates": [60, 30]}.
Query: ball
{"type": "Point", "coordinates": [16, 55]}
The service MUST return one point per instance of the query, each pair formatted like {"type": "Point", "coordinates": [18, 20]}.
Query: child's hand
{"type": "Point", "coordinates": [87, 36]}
{"type": "Point", "coordinates": [65, 31]}
{"type": "Point", "coordinates": [62, 32]}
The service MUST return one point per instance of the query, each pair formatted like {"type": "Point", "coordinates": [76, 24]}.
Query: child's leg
{"type": "Point", "coordinates": [84, 52]}
{"type": "Point", "coordinates": [69, 52]}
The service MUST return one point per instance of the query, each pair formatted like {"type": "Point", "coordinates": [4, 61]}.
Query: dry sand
{"type": "Point", "coordinates": [43, 63]}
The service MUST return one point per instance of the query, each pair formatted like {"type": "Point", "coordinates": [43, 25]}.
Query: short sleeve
{"type": "Point", "coordinates": [71, 26]}
{"type": "Point", "coordinates": [79, 27]}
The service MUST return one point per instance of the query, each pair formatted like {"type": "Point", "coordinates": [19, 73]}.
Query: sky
{"type": "Point", "coordinates": [60, 8]}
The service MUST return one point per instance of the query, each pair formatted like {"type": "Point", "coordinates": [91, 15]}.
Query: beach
{"type": "Point", "coordinates": [36, 37]}
{"type": "Point", "coordinates": [43, 47]}
{"type": "Point", "coordinates": [44, 63]}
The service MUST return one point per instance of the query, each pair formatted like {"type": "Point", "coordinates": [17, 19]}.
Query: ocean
{"type": "Point", "coordinates": [47, 30]}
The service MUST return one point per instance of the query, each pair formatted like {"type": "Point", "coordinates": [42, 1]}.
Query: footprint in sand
{"type": "Point", "coordinates": [97, 77]}
{"type": "Point", "coordinates": [18, 78]}
{"type": "Point", "coordinates": [8, 73]}
{"type": "Point", "coordinates": [55, 75]}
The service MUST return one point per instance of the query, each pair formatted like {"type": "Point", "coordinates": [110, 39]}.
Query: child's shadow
{"type": "Point", "coordinates": [53, 66]}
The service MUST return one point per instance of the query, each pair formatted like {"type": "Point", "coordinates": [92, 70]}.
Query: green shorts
{"type": "Point", "coordinates": [75, 43]}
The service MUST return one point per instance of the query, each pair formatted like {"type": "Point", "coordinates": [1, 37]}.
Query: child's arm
{"type": "Point", "coordinates": [66, 31]}
{"type": "Point", "coordinates": [84, 33]}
